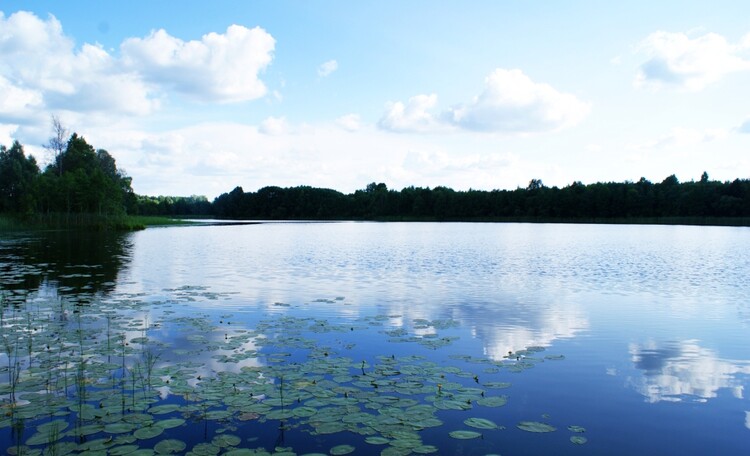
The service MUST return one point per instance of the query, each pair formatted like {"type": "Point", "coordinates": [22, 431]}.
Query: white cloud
{"type": "Point", "coordinates": [17, 101]}
{"type": "Point", "coordinates": [684, 137]}
{"type": "Point", "coordinates": [219, 67]}
{"type": "Point", "coordinates": [414, 116]}
{"type": "Point", "coordinates": [274, 126]}
{"type": "Point", "coordinates": [326, 68]}
{"type": "Point", "coordinates": [676, 60]}
{"type": "Point", "coordinates": [43, 71]}
{"type": "Point", "coordinates": [349, 122]}
{"type": "Point", "coordinates": [745, 127]}
{"type": "Point", "coordinates": [511, 103]}
{"type": "Point", "coordinates": [6, 134]}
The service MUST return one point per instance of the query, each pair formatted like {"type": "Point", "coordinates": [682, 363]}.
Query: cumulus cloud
{"type": "Point", "coordinates": [510, 103]}
{"type": "Point", "coordinates": [274, 126]}
{"type": "Point", "coordinates": [218, 67]}
{"type": "Point", "coordinates": [349, 122]}
{"type": "Point", "coordinates": [6, 134]}
{"type": "Point", "coordinates": [16, 101]}
{"type": "Point", "coordinates": [676, 60]}
{"type": "Point", "coordinates": [414, 116]}
{"type": "Point", "coordinates": [327, 68]}
{"type": "Point", "coordinates": [42, 70]}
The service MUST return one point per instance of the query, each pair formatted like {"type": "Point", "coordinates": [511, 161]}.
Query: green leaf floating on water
{"type": "Point", "coordinates": [342, 449]}
{"type": "Point", "coordinates": [119, 428]}
{"type": "Point", "coordinates": [226, 440]}
{"type": "Point", "coordinates": [535, 426]}
{"type": "Point", "coordinates": [162, 409]}
{"type": "Point", "coordinates": [377, 440]}
{"type": "Point", "coordinates": [170, 446]}
{"type": "Point", "coordinates": [123, 450]}
{"type": "Point", "coordinates": [480, 423]}
{"type": "Point", "coordinates": [493, 401]}
{"type": "Point", "coordinates": [170, 423]}
{"type": "Point", "coordinates": [464, 435]}
{"type": "Point", "coordinates": [148, 432]}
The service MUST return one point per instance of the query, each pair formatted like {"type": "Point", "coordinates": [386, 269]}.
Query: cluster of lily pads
{"type": "Point", "coordinates": [129, 374]}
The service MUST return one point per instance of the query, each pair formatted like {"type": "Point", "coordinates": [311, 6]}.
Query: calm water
{"type": "Point", "coordinates": [639, 334]}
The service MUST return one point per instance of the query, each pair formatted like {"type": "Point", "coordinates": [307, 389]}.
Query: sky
{"type": "Point", "coordinates": [196, 97]}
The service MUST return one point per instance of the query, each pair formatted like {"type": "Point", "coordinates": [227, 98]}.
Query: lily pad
{"type": "Point", "coordinates": [578, 439]}
{"type": "Point", "coordinates": [535, 426]}
{"type": "Point", "coordinates": [123, 450]}
{"type": "Point", "coordinates": [342, 449]}
{"type": "Point", "coordinates": [480, 423]}
{"type": "Point", "coordinates": [148, 432]}
{"type": "Point", "coordinates": [170, 423]}
{"type": "Point", "coordinates": [464, 435]}
{"type": "Point", "coordinates": [170, 446]}
{"type": "Point", "coordinates": [493, 401]}
{"type": "Point", "coordinates": [377, 440]}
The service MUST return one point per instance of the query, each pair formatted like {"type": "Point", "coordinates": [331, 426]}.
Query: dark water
{"type": "Point", "coordinates": [639, 334]}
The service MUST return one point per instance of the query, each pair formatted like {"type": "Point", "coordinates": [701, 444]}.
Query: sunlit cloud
{"type": "Point", "coordinates": [44, 71]}
{"type": "Point", "coordinates": [274, 126]}
{"type": "Point", "coordinates": [327, 68]}
{"type": "Point", "coordinates": [745, 127]}
{"type": "Point", "coordinates": [414, 116]}
{"type": "Point", "coordinates": [218, 67]}
{"type": "Point", "coordinates": [349, 122]}
{"type": "Point", "coordinates": [511, 103]}
{"type": "Point", "coordinates": [679, 61]}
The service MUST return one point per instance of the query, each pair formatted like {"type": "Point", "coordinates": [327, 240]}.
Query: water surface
{"type": "Point", "coordinates": [637, 333]}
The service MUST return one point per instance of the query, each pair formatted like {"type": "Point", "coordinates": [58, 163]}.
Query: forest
{"type": "Point", "coordinates": [634, 201]}
{"type": "Point", "coordinates": [82, 182]}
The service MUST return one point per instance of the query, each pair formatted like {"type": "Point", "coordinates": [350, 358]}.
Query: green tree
{"type": "Point", "coordinates": [18, 175]}
{"type": "Point", "coordinates": [86, 181]}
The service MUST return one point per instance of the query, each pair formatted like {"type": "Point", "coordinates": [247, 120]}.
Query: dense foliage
{"type": "Point", "coordinates": [80, 180]}
{"type": "Point", "coordinates": [612, 200]}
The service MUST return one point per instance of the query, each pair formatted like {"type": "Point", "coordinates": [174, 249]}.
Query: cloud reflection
{"type": "Point", "coordinates": [676, 371]}
{"type": "Point", "coordinates": [501, 328]}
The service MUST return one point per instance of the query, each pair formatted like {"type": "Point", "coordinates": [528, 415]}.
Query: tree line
{"type": "Point", "coordinates": [575, 202]}
{"type": "Point", "coordinates": [81, 180]}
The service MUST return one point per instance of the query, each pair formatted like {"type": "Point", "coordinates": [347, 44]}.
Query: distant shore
{"type": "Point", "coordinates": [9, 223]}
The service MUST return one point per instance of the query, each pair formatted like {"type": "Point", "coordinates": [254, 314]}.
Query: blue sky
{"type": "Point", "coordinates": [211, 95]}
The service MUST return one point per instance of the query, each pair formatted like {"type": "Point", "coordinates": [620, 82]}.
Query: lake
{"type": "Point", "coordinates": [377, 338]}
